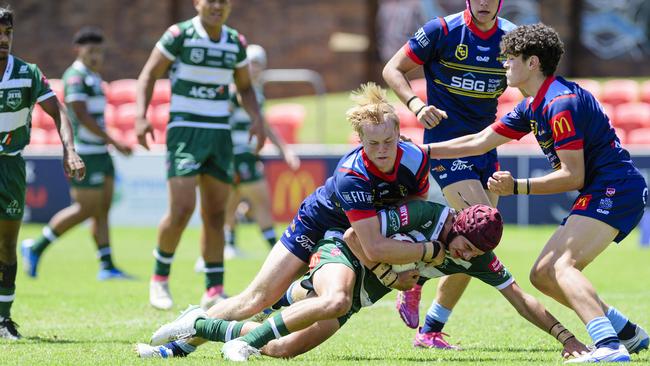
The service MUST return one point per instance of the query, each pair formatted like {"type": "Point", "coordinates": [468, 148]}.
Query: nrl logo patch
{"type": "Point", "coordinates": [14, 98]}
{"type": "Point", "coordinates": [197, 55]}
{"type": "Point", "coordinates": [461, 51]}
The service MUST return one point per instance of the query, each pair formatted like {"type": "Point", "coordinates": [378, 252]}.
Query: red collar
{"type": "Point", "coordinates": [539, 97]}
{"type": "Point", "coordinates": [469, 21]}
{"type": "Point", "coordinates": [378, 173]}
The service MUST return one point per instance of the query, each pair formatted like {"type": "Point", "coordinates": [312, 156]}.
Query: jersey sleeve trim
{"type": "Point", "coordinates": [383, 222]}
{"type": "Point", "coordinates": [445, 30]}
{"type": "Point", "coordinates": [164, 51]}
{"type": "Point", "coordinates": [352, 172]}
{"type": "Point", "coordinates": [410, 54]}
{"type": "Point", "coordinates": [507, 283]}
{"type": "Point", "coordinates": [356, 215]}
{"type": "Point", "coordinates": [45, 96]}
{"type": "Point", "coordinates": [504, 130]}
{"type": "Point", "coordinates": [77, 97]}
{"type": "Point", "coordinates": [571, 145]}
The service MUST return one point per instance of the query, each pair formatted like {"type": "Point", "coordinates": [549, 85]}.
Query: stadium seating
{"type": "Point", "coordinates": [407, 118]}
{"type": "Point", "coordinates": [286, 119]}
{"type": "Point", "coordinates": [619, 91]}
{"type": "Point", "coordinates": [57, 87]}
{"type": "Point", "coordinates": [124, 117]}
{"type": "Point", "coordinates": [416, 134]}
{"type": "Point", "coordinates": [504, 108]}
{"type": "Point", "coordinates": [640, 136]}
{"type": "Point", "coordinates": [161, 92]}
{"type": "Point", "coordinates": [645, 92]}
{"type": "Point", "coordinates": [632, 116]}
{"type": "Point", "coordinates": [42, 120]}
{"type": "Point", "coordinates": [590, 85]}
{"type": "Point", "coordinates": [121, 91]}
{"type": "Point", "coordinates": [160, 116]}
{"type": "Point", "coordinates": [511, 95]}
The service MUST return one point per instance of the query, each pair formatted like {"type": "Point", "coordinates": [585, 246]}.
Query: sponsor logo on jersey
{"type": "Point", "coordinates": [23, 69]}
{"type": "Point", "coordinates": [644, 195]}
{"type": "Point", "coordinates": [610, 191]}
{"type": "Point", "coordinates": [174, 30]}
{"type": "Point", "coordinates": [197, 55]}
{"type": "Point", "coordinates": [393, 220]}
{"type": "Point", "coordinates": [439, 169]}
{"type": "Point", "coordinates": [562, 126]}
{"type": "Point", "coordinates": [582, 202]}
{"type": "Point", "coordinates": [605, 205]}
{"type": "Point", "coordinates": [483, 58]}
{"type": "Point", "coordinates": [14, 98]}
{"type": "Point", "coordinates": [403, 215]}
{"type": "Point", "coordinates": [422, 38]}
{"type": "Point", "coordinates": [305, 242]}
{"type": "Point", "coordinates": [357, 197]}
{"type": "Point", "coordinates": [336, 252]}
{"type": "Point", "coordinates": [495, 265]}
{"type": "Point", "coordinates": [442, 176]}
{"type": "Point", "coordinates": [534, 127]}
{"type": "Point", "coordinates": [13, 208]}
{"type": "Point", "coordinates": [427, 224]}
{"type": "Point", "coordinates": [461, 51]}
{"type": "Point", "coordinates": [483, 49]}
{"type": "Point", "coordinates": [75, 79]}
{"type": "Point", "coordinates": [459, 165]}
{"type": "Point", "coordinates": [403, 191]}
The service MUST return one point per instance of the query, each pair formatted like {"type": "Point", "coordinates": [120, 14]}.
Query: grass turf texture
{"type": "Point", "coordinates": [69, 318]}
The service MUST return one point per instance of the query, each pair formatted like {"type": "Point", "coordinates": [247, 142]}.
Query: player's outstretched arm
{"type": "Point", "coordinates": [531, 309]}
{"type": "Point", "coordinates": [156, 66]}
{"type": "Point", "coordinates": [72, 164]}
{"type": "Point", "coordinates": [468, 145]}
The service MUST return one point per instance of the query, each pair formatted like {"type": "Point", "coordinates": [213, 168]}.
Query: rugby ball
{"type": "Point", "coordinates": [408, 266]}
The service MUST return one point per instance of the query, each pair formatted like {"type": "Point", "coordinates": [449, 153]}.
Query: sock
{"type": "Point", "coordinates": [436, 318]}
{"type": "Point", "coordinates": [602, 332]}
{"type": "Point", "coordinates": [163, 262]}
{"type": "Point", "coordinates": [623, 327]}
{"type": "Point", "coordinates": [422, 281]}
{"type": "Point", "coordinates": [218, 330]}
{"type": "Point", "coordinates": [49, 236]}
{"type": "Point", "coordinates": [104, 255]}
{"type": "Point", "coordinates": [286, 299]}
{"type": "Point", "coordinates": [229, 235]}
{"type": "Point", "coordinates": [269, 235]}
{"type": "Point", "coordinates": [7, 288]}
{"type": "Point", "coordinates": [184, 346]}
{"type": "Point", "coordinates": [272, 328]}
{"type": "Point", "coordinates": [213, 274]}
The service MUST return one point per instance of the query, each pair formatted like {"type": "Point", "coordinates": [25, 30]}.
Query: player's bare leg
{"type": "Point", "coordinates": [8, 240]}
{"type": "Point", "coordinates": [214, 196]}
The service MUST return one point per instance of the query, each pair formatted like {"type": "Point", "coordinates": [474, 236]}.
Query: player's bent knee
{"type": "Point", "coordinates": [337, 305]}
{"type": "Point", "coordinates": [542, 276]}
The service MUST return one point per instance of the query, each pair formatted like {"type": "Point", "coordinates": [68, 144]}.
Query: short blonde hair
{"type": "Point", "coordinates": [372, 108]}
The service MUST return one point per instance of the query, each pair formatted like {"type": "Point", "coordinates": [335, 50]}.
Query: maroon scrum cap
{"type": "Point", "coordinates": [482, 225]}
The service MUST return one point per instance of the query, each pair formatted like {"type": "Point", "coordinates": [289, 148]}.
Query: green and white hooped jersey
{"type": "Point", "coordinates": [81, 84]}
{"type": "Point", "coordinates": [201, 74]}
{"type": "Point", "coordinates": [240, 125]}
{"type": "Point", "coordinates": [424, 221]}
{"type": "Point", "coordinates": [22, 86]}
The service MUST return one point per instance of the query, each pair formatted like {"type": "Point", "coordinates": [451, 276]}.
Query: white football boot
{"type": "Point", "coordinates": [603, 354]}
{"type": "Point", "coordinates": [182, 327]}
{"type": "Point", "coordinates": [238, 351]}
{"type": "Point", "coordinates": [144, 350]}
{"type": "Point", "coordinates": [159, 295]}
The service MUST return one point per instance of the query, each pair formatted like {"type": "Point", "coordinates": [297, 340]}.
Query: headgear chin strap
{"type": "Point", "coordinates": [469, 6]}
{"type": "Point", "coordinates": [482, 225]}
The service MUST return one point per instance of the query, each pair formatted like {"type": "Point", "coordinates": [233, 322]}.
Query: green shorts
{"type": "Point", "coordinates": [248, 168]}
{"type": "Point", "coordinates": [334, 250]}
{"type": "Point", "coordinates": [12, 187]}
{"type": "Point", "coordinates": [193, 151]}
{"type": "Point", "coordinates": [98, 167]}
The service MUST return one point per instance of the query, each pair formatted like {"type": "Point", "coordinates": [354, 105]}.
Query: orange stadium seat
{"type": "Point", "coordinates": [161, 92]}
{"type": "Point", "coordinates": [419, 87]}
{"type": "Point", "coordinates": [414, 133]}
{"type": "Point", "coordinates": [406, 117]}
{"type": "Point", "coordinates": [609, 110]}
{"type": "Point", "coordinates": [504, 108]}
{"type": "Point", "coordinates": [645, 91]}
{"type": "Point", "coordinates": [42, 120]}
{"type": "Point", "coordinates": [38, 137]}
{"type": "Point", "coordinates": [121, 91]}
{"type": "Point", "coordinates": [640, 136]}
{"type": "Point", "coordinates": [631, 116]}
{"type": "Point", "coordinates": [57, 87]}
{"type": "Point", "coordinates": [286, 119]}
{"type": "Point", "coordinates": [590, 85]}
{"type": "Point", "coordinates": [53, 138]}
{"type": "Point", "coordinates": [109, 115]}
{"type": "Point", "coordinates": [160, 115]}
{"type": "Point", "coordinates": [511, 95]}
{"type": "Point", "coordinates": [619, 91]}
{"type": "Point", "coordinates": [160, 136]}
{"type": "Point", "coordinates": [124, 117]}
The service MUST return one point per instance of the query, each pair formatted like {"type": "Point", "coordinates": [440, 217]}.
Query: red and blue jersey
{"type": "Point", "coordinates": [464, 72]}
{"type": "Point", "coordinates": [563, 116]}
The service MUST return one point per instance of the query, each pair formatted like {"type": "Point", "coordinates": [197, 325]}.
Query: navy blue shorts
{"type": "Point", "coordinates": [480, 167]}
{"type": "Point", "coordinates": [618, 203]}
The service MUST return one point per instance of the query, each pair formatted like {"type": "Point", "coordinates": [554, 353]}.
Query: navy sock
{"type": "Point", "coordinates": [628, 331]}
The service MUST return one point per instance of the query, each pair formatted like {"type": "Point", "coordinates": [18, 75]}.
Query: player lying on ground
{"type": "Point", "coordinates": [339, 285]}
{"type": "Point", "coordinates": [586, 155]}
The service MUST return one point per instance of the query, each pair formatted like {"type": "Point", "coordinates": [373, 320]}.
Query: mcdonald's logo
{"type": "Point", "coordinates": [290, 189]}
{"type": "Point", "coordinates": [582, 202]}
{"type": "Point", "coordinates": [562, 125]}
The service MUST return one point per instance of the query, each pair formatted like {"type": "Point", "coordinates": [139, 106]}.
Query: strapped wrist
{"type": "Point", "coordinates": [408, 102]}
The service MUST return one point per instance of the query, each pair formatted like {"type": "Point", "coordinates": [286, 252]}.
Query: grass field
{"type": "Point", "coordinates": [68, 318]}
